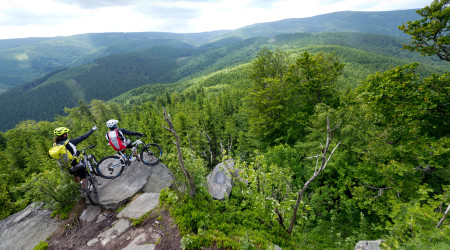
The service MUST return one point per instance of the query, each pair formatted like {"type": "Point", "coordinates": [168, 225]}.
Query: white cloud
{"type": "Point", "coordinates": [25, 18]}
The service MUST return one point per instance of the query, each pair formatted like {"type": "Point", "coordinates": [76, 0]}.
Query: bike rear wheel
{"type": "Point", "coordinates": [110, 167]}
{"type": "Point", "coordinates": [151, 154]}
{"type": "Point", "coordinates": [90, 188]}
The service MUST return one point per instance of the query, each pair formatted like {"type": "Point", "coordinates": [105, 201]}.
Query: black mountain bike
{"type": "Point", "coordinates": [90, 183]}
{"type": "Point", "coordinates": [112, 166]}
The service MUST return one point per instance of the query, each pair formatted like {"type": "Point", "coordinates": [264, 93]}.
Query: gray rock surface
{"type": "Point", "coordinates": [25, 229]}
{"type": "Point", "coordinates": [142, 205]}
{"type": "Point", "coordinates": [160, 177]}
{"type": "Point", "coordinates": [368, 245]}
{"type": "Point", "coordinates": [113, 193]}
{"type": "Point", "coordinates": [139, 243]}
{"type": "Point", "coordinates": [115, 231]}
{"type": "Point", "coordinates": [220, 181]}
{"type": "Point", "coordinates": [90, 213]}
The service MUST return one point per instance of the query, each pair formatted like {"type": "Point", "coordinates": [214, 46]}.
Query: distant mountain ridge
{"type": "Point", "coordinates": [34, 57]}
{"type": "Point", "coordinates": [25, 59]}
{"type": "Point", "coordinates": [376, 22]}
{"type": "Point", "coordinates": [112, 64]}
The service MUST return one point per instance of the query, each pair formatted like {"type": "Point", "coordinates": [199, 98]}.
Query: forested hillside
{"type": "Point", "coordinates": [113, 75]}
{"type": "Point", "coordinates": [338, 137]}
{"type": "Point", "coordinates": [23, 60]}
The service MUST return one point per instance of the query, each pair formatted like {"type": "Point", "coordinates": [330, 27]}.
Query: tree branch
{"type": "Point", "coordinates": [280, 218]}
{"type": "Point", "coordinates": [380, 190]}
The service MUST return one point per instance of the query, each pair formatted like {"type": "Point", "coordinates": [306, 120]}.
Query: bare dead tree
{"type": "Point", "coordinates": [204, 134]}
{"type": "Point", "coordinates": [443, 218]}
{"type": "Point", "coordinates": [229, 146]}
{"type": "Point", "coordinates": [280, 218]}
{"type": "Point", "coordinates": [190, 144]}
{"type": "Point", "coordinates": [180, 155]}
{"type": "Point", "coordinates": [380, 190]}
{"type": "Point", "coordinates": [317, 171]}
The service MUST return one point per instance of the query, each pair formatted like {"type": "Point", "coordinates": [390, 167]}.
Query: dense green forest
{"type": "Point", "coordinates": [335, 143]}
{"type": "Point", "coordinates": [113, 75]}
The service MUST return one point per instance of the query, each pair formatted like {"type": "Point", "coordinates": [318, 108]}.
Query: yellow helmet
{"type": "Point", "coordinates": [61, 130]}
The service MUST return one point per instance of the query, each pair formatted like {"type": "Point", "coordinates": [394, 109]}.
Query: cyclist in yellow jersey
{"type": "Point", "coordinates": [61, 136]}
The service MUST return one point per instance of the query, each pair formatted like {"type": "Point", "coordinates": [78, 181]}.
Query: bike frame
{"type": "Point", "coordinates": [121, 160]}
{"type": "Point", "coordinates": [89, 168]}
{"type": "Point", "coordinates": [127, 158]}
{"type": "Point", "coordinates": [91, 173]}
{"type": "Point", "coordinates": [85, 159]}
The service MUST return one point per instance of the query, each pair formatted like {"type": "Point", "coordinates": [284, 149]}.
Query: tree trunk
{"type": "Point", "coordinates": [180, 156]}
{"type": "Point", "coordinates": [316, 172]}
{"type": "Point", "coordinates": [443, 218]}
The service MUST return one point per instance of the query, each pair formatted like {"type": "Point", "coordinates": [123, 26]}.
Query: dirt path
{"type": "Point", "coordinates": [75, 234]}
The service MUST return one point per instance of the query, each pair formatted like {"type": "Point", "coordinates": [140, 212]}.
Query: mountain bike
{"type": "Point", "coordinates": [90, 183]}
{"type": "Point", "coordinates": [112, 166]}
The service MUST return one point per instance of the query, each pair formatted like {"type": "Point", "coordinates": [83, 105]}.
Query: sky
{"type": "Point", "coordinates": [50, 18]}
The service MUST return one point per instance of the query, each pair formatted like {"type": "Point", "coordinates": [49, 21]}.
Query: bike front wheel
{"type": "Point", "coordinates": [151, 154]}
{"type": "Point", "coordinates": [110, 167]}
{"type": "Point", "coordinates": [90, 188]}
{"type": "Point", "coordinates": [94, 164]}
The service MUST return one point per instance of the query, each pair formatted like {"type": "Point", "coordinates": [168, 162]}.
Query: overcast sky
{"type": "Point", "coordinates": [48, 18]}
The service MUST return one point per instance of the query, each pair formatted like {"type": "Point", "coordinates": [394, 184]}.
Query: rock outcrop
{"type": "Point", "coordinates": [368, 245]}
{"type": "Point", "coordinates": [135, 178]}
{"type": "Point", "coordinates": [25, 229]}
{"type": "Point", "coordinates": [220, 180]}
{"type": "Point", "coordinates": [160, 178]}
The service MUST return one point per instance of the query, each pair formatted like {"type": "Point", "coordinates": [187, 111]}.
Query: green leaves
{"type": "Point", "coordinates": [285, 92]}
{"type": "Point", "coordinates": [430, 34]}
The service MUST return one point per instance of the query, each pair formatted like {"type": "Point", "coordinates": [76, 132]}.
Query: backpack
{"type": "Point", "coordinates": [115, 140]}
{"type": "Point", "coordinates": [62, 156]}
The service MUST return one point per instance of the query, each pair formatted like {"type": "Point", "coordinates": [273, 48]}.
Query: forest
{"type": "Point", "coordinates": [109, 77]}
{"type": "Point", "coordinates": [326, 162]}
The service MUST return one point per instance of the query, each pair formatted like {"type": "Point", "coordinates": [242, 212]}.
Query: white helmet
{"type": "Point", "coordinates": [111, 123]}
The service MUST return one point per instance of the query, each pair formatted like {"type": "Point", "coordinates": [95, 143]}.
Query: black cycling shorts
{"type": "Point", "coordinates": [78, 170]}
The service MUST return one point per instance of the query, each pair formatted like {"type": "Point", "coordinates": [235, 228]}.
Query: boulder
{"type": "Point", "coordinates": [220, 181]}
{"type": "Point", "coordinates": [160, 177]}
{"type": "Point", "coordinates": [25, 229]}
{"type": "Point", "coordinates": [113, 193]}
{"type": "Point", "coordinates": [135, 178]}
{"type": "Point", "coordinates": [368, 245]}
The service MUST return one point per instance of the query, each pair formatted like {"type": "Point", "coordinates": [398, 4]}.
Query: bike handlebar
{"type": "Point", "coordinates": [89, 147]}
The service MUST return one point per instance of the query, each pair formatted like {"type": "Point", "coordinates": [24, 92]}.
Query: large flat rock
{"type": "Point", "coordinates": [142, 205]}
{"type": "Point", "coordinates": [113, 193]}
{"type": "Point", "coordinates": [25, 229]}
